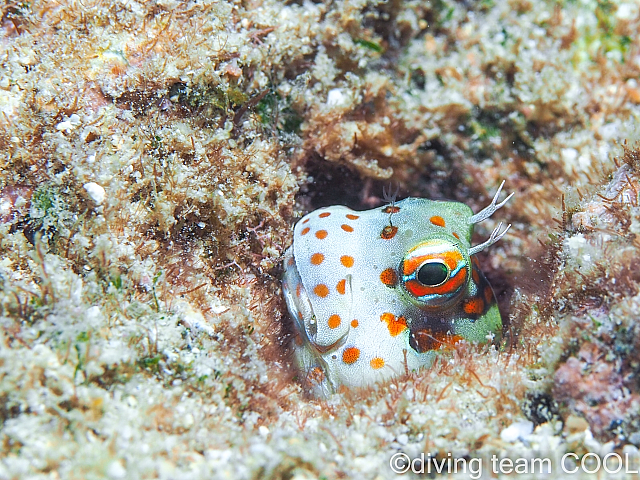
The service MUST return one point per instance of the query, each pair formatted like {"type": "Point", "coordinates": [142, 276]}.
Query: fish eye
{"type": "Point", "coordinates": [435, 273]}
{"type": "Point", "coordinates": [432, 274]}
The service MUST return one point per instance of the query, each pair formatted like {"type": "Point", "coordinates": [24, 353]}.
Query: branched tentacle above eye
{"type": "Point", "coordinates": [389, 197]}
{"type": "Point", "coordinates": [495, 236]}
{"type": "Point", "coordinates": [488, 211]}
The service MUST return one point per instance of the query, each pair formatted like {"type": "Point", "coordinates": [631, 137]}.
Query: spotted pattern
{"type": "Point", "coordinates": [475, 274]}
{"type": "Point", "coordinates": [347, 261]}
{"type": "Point", "coordinates": [321, 290]}
{"type": "Point", "coordinates": [363, 310]}
{"type": "Point", "coordinates": [376, 363]}
{"type": "Point", "coordinates": [389, 277]}
{"type": "Point", "coordinates": [479, 304]}
{"type": "Point", "coordinates": [488, 293]}
{"type": "Point", "coordinates": [388, 232]}
{"type": "Point", "coordinates": [396, 325]}
{"type": "Point", "coordinates": [317, 259]}
{"type": "Point", "coordinates": [473, 306]}
{"type": "Point", "coordinates": [334, 321]}
{"type": "Point", "coordinates": [350, 355]}
{"type": "Point", "coordinates": [437, 220]}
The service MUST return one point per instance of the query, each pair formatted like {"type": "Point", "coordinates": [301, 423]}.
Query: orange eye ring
{"type": "Point", "coordinates": [435, 273]}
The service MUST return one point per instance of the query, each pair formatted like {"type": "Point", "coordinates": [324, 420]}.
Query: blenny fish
{"type": "Point", "coordinates": [375, 294]}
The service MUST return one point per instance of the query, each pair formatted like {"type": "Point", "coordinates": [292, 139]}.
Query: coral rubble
{"type": "Point", "coordinates": [155, 156]}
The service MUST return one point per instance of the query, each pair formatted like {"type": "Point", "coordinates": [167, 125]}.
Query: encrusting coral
{"type": "Point", "coordinates": [596, 296]}
{"type": "Point", "coordinates": [155, 156]}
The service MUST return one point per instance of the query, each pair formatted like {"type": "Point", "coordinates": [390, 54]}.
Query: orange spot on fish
{"type": "Point", "coordinates": [350, 355]}
{"type": "Point", "coordinates": [395, 325]}
{"type": "Point", "coordinates": [324, 214]}
{"type": "Point", "coordinates": [475, 275]}
{"type": "Point", "coordinates": [437, 220]}
{"type": "Point", "coordinates": [321, 290]}
{"type": "Point", "coordinates": [347, 261]}
{"type": "Point", "coordinates": [389, 277]}
{"type": "Point", "coordinates": [340, 287]}
{"type": "Point", "coordinates": [391, 209]}
{"type": "Point", "coordinates": [388, 232]}
{"type": "Point", "coordinates": [334, 321]}
{"type": "Point", "coordinates": [376, 363]}
{"type": "Point", "coordinates": [488, 294]}
{"type": "Point", "coordinates": [321, 234]}
{"type": "Point", "coordinates": [317, 259]}
{"type": "Point", "coordinates": [352, 217]}
{"type": "Point", "coordinates": [473, 306]}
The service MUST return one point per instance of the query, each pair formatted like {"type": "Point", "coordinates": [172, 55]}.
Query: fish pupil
{"type": "Point", "coordinates": [433, 273]}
